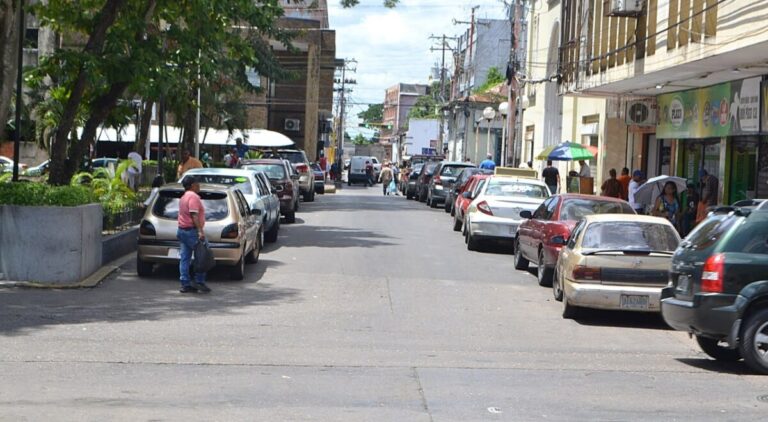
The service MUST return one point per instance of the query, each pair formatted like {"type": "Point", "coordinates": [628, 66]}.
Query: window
{"type": "Point", "coordinates": [500, 187]}
{"type": "Point", "coordinates": [552, 207]}
{"type": "Point", "coordinates": [577, 209]}
{"type": "Point", "coordinates": [709, 231]}
{"type": "Point", "coordinates": [575, 234]}
{"type": "Point", "coordinates": [751, 236]}
{"type": "Point", "coordinates": [215, 204]}
{"type": "Point", "coordinates": [273, 171]}
{"type": "Point", "coordinates": [451, 171]}
{"type": "Point", "coordinates": [478, 188]}
{"type": "Point", "coordinates": [541, 212]}
{"type": "Point", "coordinates": [630, 235]}
{"type": "Point", "coordinates": [240, 182]}
{"type": "Point", "coordinates": [242, 204]}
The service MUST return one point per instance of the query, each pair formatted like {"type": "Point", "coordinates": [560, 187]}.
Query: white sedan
{"type": "Point", "coordinates": [494, 213]}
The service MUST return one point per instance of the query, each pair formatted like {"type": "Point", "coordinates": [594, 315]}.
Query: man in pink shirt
{"type": "Point", "coordinates": [191, 230]}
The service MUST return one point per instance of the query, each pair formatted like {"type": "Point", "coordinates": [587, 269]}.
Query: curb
{"type": "Point", "coordinates": [89, 282]}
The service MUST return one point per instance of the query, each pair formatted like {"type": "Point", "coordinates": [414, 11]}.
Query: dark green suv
{"type": "Point", "coordinates": [718, 286]}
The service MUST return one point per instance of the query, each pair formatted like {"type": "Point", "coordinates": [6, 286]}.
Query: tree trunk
{"type": "Point", "coordinates": [100, 109]}
{"type": "Point", "coordinates": [146, 120]}
{"type": "Point", "coordinates": [61, 168]}
{"type": "Point", "coordinates": [8, 61]}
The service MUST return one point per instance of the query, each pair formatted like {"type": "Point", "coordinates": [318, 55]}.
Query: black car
{"type": "Point", "coordinates": [461, 180]}
{"type": "Point", "coordinates": [425, 176]}
{"type": "Point", "coordinates": [409, 190]}
{"type": "Point", "coordinates": [718, 286]}
{"type": "Point", "coordinates": [442, 181]}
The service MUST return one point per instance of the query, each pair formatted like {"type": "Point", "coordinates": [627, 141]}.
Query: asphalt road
{"type": "Point", "coordinates": [369, 308]}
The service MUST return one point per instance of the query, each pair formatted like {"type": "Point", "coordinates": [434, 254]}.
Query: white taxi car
{"type": "Point", "coordinates": [494, 213]}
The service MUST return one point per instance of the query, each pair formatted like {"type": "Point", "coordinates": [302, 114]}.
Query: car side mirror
{"type": "Point", "coordinates": [526, 214]}
{"type": "Point", "coordinates": [255, 211]}
{"type": "Point", "coordinates": [467, 195]}
{"type": "Point", "coordinates": [559, 240]}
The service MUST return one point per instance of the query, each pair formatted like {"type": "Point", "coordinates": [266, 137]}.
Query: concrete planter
{"type": "Point", "coordinates": [50, 245]}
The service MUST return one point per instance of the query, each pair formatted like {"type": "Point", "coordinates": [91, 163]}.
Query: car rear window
{"type": "Point", "coordinates": [430, 168]}
{"type": "Point", "coordinates": [295, 157]}
{"type": "Point", "coordinates": [577, 209]}
{"type": "Point", "coordinates": [273, 171]}
{"type": "Point", "coordinates": [709, 231]}
{"type": "Point", "coordinates": [215, 204]}
{"type": "Point", "coordinates": [630, 235]}
{"type": "Point", "coordinates": [751, 236]}
{"type": "Point", "coordinates": [497, 187]}
{"type": "Point", "coordinates": [451, 171]}
{"type": "Point", "coordinates": [241, 182]}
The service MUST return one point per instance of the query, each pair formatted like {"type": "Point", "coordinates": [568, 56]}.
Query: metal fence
{"type": "Point", "coordinates": [122, 220]}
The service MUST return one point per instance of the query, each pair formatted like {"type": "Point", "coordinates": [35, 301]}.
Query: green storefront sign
{"type": "Point", "coordinates": [727, 109]}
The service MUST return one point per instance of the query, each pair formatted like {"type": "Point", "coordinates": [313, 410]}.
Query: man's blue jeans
{"type": "Point", "coordinates": [187, 239]}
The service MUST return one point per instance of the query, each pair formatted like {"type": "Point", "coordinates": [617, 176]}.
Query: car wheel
{"type": "Point", "coordinates": [321, 191]}
{"type": "Point", "coordinates": [453, 209]}
{"type": "Point", "coordinates": [143, 268]}
{"type": "Point", "coordinates": [422, 196]}
{"type": "Point", "coordinates": [238, 271]}
{"type": "Point", "coordinates": [447, 206]}
{"type": "Point", "coordinates": [408, 195]}
{"type": "Point", "coordinates": [520, 262]}
{"type": "Point", "coordinates": [557, 286]}
{"type": "Point", "coordinates": [253, 255]}
{"type": "Point", "coordinates": [290, 217]}
{"type": "Point", "coordinates": [754, 342]}
{"type": "Point", "coordinates": [456, 224]}
{"type": "Point", "coordinates": [569, 311]}
{"type": "Point", "coordinates": [428, 201]}
{"type": "Point", "coordinates": [296, 205]}
{"type": "Point", "coordinates": [472, 243]}
{"type": "Point", "coordinates": [432, 203]}
{"type": "Point", "coordinates": [309, 196]}
{"type": "Point", "coordinates": [713, 348]}
{"type": "Point", "coordinates": [543, 273]}
{"type": "Point", "coordinates": [271, 234]}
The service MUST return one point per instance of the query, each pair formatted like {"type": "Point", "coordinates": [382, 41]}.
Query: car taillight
{"type": "Point", "coordinates": [230, 232]}
{"type": "Point", "coordinates": [437, 180]}
{"type": "Point", "coordinates": [586, 273]}
{"type": "Point", "coordinates": [147, 229]}
{"type": "Point", "coordinates": [712, 274]}
{"type": "Point", "coordinates": [302, 168]}
{"type": "Point", "coordinates": [484, 208]}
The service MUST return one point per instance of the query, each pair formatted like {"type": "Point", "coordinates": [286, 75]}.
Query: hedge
{"type": "Point", "coordinates": [42, 194]}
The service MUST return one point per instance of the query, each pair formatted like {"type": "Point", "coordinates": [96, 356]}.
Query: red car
{"type": "Point", "coordinates": [557, 216]}
{"type": "Point", "coordinates": [473, 186]}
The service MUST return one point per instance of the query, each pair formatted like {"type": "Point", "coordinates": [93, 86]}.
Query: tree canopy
{"type": "Point", "coordinates": [373, 114]}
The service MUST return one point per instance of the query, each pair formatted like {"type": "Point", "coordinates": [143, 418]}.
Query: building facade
{"type": "Point", "coordinates": [398, 101]}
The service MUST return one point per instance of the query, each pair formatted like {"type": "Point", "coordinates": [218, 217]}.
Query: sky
{"type": "Point", "coordinates": [393, 45]}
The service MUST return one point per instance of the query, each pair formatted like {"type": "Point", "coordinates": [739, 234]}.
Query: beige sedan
{"type": "Point", "coordinates": [233, 229]}
{"type": "Point", "coordinates": [614, 261]}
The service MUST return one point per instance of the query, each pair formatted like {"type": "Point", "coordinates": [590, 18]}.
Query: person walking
{"type": "Point", "coordinates": [488, 163]}
{"type": "Point", "coordinates": [187, 162]}
{"type": "Point", "coordinates": [385, 177]}
{"type": "Point", "coordinates": [396, 177]}
{"type": "Point", "coordinates": [551, 178]}
{"type": "Point", "coordinates": [638, 178]}
{"type": "Point", "coordinates": [709, 193]}
{"type": "Point", "coordinates": [624, 179]}
{"type": "Point", "coordinates": [242, 149]}
{"type": "Point", "coordinates": [584, 171]}
{"type": "Point", "coordinates": [611, 187]}
{"type": "Point", "coordinates": [368, 173]}
{"type": "Point", "coordinates": [668, 205]}
{"type": "Point", "coordinates": [191, 230]}
{"type": "Point", "coordinates": [688, 220]}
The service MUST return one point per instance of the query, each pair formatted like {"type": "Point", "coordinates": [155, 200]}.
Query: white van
{"type": "Point", "coordinates": [357, 170]}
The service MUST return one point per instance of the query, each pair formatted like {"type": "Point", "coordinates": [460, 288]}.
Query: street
{"type": "Point", "coordinates": [368, 308]}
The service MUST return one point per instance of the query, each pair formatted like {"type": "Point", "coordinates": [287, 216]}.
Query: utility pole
{"type": "Point", "coordinates": [517, 20]}
{"type": "Point", "coordinates": [342, 106]}
{"type": "Point", "coordinates": [443, 100]}
{"type": "Point", "coordinates": [19, 71]}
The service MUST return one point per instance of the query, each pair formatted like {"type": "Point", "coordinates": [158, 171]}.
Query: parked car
{"type": "Point", "coordinates": [283, 179]}
{"type": "Point", "coordinates": [319, 178]}
{"type": "Point", "coordinates": [718, 287]}
{"type": "Point", "coordinates": [104, 162]}
{"type": "Point", "coordinates": [425, 176]}
{"type": "Point", "coordinates": [614, 261]}
{"type": "Point", "coordinates": [356, 172]}
{"type": "Point", "coordinates": [39, 169]}
{"type": "Point", "coordinates": [465, 197]}
{"type": "Point", "coordinates": [300, 163]}
{"type": "Point", "coordinates": [442, 181]}
{"type": "Point", "coordinates": [556, 217]}
{"type": "Point", "coordinates": [258, 194]}
{"type": "Point", "coordinates": [461, 180]}
{"type": "Point", "coordinates": [410, 188]}
{"type": "Point", "coordinates": [233, 230]}
{"type": "Point", "coordinates": [494, 213]}
{"type": "Point", "coordinates": [6, 165]}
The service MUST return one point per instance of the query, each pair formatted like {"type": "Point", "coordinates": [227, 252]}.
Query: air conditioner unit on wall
{"type": "Point", "coordinates": [625, 7]}
{"type": "Point", "coordinates": [292, 125]}
{"type": "Point", "coordinates": [641, 113]}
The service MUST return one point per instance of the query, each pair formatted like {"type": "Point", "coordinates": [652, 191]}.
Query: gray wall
{"type": "Point", "coordinates": [51, 245]}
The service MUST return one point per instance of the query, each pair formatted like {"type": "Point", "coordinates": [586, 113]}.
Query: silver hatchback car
{"type": "Point", "coordinates": [234, 230]}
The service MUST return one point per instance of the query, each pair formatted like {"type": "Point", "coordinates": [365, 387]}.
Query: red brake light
{"type": "Point", "coordinates": [230, 232]}
{"type": "Point", "coordinates": [437, 180]}
{"type": "Point", "coordinates": [147, 229]}
{"type": "Point", "coordinates": [484, 208]}
{"type": "Point", "coordinates": [586, 273]}
{"type": "Point", "coordinates": [302, 168]}
{"type": "Point", "coordinates": [712, 274]}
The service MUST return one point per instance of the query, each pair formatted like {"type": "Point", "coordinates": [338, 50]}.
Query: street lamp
{"type": "Point", "coordinates": [489, 114]}
{"type": "Point", "coordinates": [503, 109]}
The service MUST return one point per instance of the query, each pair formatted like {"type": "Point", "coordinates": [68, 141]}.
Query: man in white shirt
{"type": "Point", "coordinates": [584, 171]}
{"type": "Point", "coordinates": [634, 184]}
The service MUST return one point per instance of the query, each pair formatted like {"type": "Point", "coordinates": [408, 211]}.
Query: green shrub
{"type": "Point", "coordinates": [41, 194]}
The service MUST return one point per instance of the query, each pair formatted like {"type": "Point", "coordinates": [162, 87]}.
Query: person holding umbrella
{"type": "Point", "coordinates": [668, 204]}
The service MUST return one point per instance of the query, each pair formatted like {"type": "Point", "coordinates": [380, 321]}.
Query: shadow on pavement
{"type": "Point", "coordinates": [711, 365]}
{"type": "Point", "coordinates": [623, 319]}
{"type": "Point", "coordinates": [125, 297]}
{"type": "Point", "coordinates": [359, 203]}
{"type": "Point", "coordinates": [329, 237]}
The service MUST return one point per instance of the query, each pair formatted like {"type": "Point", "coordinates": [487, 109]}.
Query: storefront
{"type": "Point", "coordinates": [716, 129]}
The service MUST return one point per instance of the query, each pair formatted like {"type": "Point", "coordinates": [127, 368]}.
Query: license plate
{"type": "Point", "coordinates": [173, 253]}
{"type": "Point", "coordinates": [683, 283]}
{"type": "Point", "coordinates": [634, 302]}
